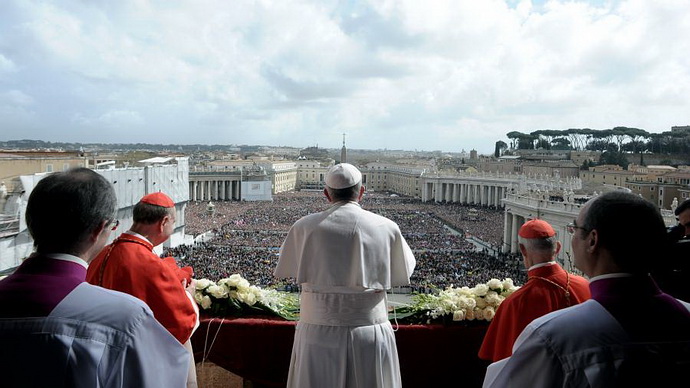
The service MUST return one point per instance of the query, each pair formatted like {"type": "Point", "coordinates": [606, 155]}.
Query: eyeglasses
{"type": "Point", "coordinates": [114, 223]}
{"type": "Point", "coordinates": [572, 226]}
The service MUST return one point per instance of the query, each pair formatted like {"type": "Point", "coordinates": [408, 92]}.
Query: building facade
{"type": "Point", "coordinates": [130, 185]}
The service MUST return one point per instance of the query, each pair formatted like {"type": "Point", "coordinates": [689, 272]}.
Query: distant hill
{"type": "Point", "coordinates": [69, 146]}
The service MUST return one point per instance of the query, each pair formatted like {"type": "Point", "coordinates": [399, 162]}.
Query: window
{"type": "Point", "coordinates": [49, 168]}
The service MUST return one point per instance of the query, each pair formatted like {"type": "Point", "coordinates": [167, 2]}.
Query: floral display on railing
{"type": "Point", "coordinates": [234, 296]}
{"type": "Point", "coordinates": [459, 304]}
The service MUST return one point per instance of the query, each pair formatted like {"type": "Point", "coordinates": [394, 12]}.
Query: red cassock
{"type": "Point", "coordinates": [129, 265]}
{"type": "Point", "coordinates": [539, 296]}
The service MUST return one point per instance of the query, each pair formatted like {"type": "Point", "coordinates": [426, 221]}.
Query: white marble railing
{"type": "Point", "coordinates": [543, 204]}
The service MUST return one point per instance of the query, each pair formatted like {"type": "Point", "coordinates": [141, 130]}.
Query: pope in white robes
{"type": "Point", "coordinates": [345, 258]}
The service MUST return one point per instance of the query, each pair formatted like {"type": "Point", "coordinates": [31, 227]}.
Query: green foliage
{"type": "Point", "coordinates": [625, 139]}
{"type": "Point", "coordinates": [612, 156]}
{"type": "Point", "coordinates": [501, 146]}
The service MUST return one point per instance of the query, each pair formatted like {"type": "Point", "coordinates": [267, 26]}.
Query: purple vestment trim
{"type": "Point", "coordinates": [37, 286]}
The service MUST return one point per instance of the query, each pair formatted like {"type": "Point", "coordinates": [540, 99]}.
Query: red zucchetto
{"type": "Point", "coordinates": [536, 229]}
{"type": "Point", "coordinates": [158, 199]}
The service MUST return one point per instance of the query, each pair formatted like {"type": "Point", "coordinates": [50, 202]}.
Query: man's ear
{"type": "Point", "coordinates": [325, 192]}
{"type": "Point", "coordinates": [592, 241]}
{"type": "Point", "coordinates": [161, 223]}
{"type": "Point", "coordinates": [98, 230]}
{"type": "Point", "coordinates": [558, 247]}
{"type": "Point", "coordinates": [523, 250]}
{"type": "Point", "coordinates": [362, 189]}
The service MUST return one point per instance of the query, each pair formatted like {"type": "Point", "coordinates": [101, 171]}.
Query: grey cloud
{"type": "Point", "coordinates": [304, 90]}
{"type": "Point", "coordinates": [365, 24]}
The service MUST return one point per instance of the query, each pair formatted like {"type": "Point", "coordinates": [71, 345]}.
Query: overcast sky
{"type": "Point", "coordinates": [417, 74]}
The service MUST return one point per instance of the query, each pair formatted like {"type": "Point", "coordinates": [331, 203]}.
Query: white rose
{"type": "Point", "coordinates": [481, 289]}
{"type": "Point", "coordinates": [470, 303]}
{"type": "Point", "coordinates": [234, 280]}
{"type": "Point", "coordinates": [251, 299]}
{"type": "Point", "coordinates": [217, 291]}
{"type": "Point", "coordinates": [492, 299]}
{"type": "Point", "coordinates": [469, 315]}
{"type": "Point", "coordinates": [481, 303]}
{"type": "Point", "coordinates": [459, 315]}
{"type": "Point", "coordinates": [508, 283]}
{"type": "Point", "coordinates": [478, 313]}
{"type": "Point", "coordinates": [258, 294]}
{"type": "Point", "coordinates": [198, 296]}
{"type": "Point", "coordinates": [206, 302]}
{"type": "Point", "coordinates": [489, 313]}
{"type": "Point", "coordinates": [243, 283]}
{"type": "Point", "coordinates": [247, 297]}
{"type": "Point", "coordinates": [506, 293]}
{"type": "Point", "coordinates": [495, 284]}
{"type": "Point", "coordinates": [203, 283]}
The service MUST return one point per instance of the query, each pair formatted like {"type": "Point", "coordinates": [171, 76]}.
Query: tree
{"type": "Point", "coordinates": [501, 147]}
{"type": "Point", "coordinates": [613, 156]}
{"type": "Point", "coordinates": [514, 137]}
{"type": "Point", "coordinates": [561, 143]}
{"type": "Point", "coordinates": [543, 143]}
{"type": "Point", "coordinates": [545, 136]}
{"type": "Point", "coordinates": [579, 137]}
{"type": "Point", "coordinates": [526, 142]}
{"type": "Point", "coordinates": [587, 164]}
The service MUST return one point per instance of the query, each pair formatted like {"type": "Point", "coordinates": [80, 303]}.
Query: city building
{"type": "Point", "coordinates": [169, 175]}
{"type": "Point", "coordinates": [14, 164]}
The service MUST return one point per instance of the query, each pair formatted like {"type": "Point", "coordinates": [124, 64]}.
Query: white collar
{"type": "Point", "coordinates": [67, 257]}
{"type": "Point", "coordinates": [541, 265]}
{"type": "Point", "coordinates": [137, 235]}
{"type": "Point", "coordinates": [611, 276]}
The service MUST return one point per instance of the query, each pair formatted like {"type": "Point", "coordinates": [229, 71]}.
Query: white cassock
{"type": "Point", "coordinates": [345, 258]}
{"type": "Point", "coordinates": [93, 338]}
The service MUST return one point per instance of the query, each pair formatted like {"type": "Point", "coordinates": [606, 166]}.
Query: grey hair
{"type": "Point", "coordinates": [546, 245]}
{"type": "Point", "coordinates": [347, 194]}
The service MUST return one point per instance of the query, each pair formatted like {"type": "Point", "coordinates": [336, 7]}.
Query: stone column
{"type": "Point", "coordinates": [507, 228]}
{"type": "Point", "coordinates": [514, 234]}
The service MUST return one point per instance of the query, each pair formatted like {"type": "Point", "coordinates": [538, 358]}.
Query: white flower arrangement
{"type": "Point", "coordinates": [236, 296]}
{"type": "Point", "coordinates": [460, 304]}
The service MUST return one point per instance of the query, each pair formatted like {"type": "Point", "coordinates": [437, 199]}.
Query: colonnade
{"type": "Point", "coordinates": [519, 208]}
{"type": "Point", "coordinates": [511, 224]}
{"type": "Point", "coordinates": [471, 192]}
{"type": "Point", "coordinates": [213, 188]}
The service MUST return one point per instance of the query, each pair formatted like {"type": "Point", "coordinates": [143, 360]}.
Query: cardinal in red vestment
{"type": "Point", "coordinates": [549, 287]}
